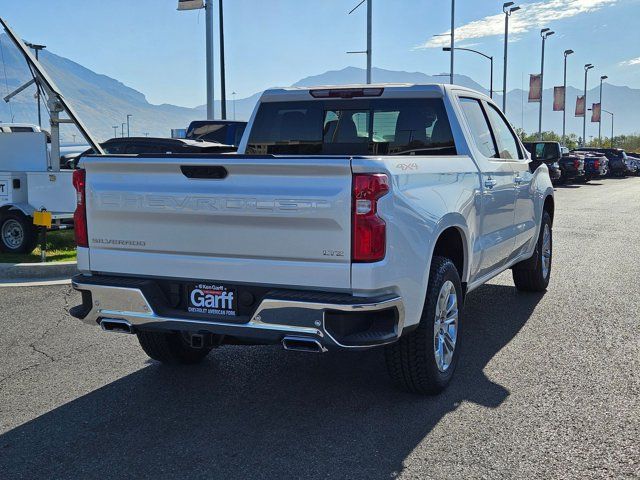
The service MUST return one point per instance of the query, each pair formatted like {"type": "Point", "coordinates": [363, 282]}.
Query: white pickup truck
{"type": "Point", "coordinates": [352, 217]}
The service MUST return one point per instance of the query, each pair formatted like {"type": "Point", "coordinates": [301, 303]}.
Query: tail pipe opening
{"type": "Point", "coordinates": [117, 326]}
{"type": "Point", "coordinates": [302, 344]}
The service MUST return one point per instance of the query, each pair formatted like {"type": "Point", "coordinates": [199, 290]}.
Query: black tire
{"type": "Point", "coordinates": [411, 361]}
{"type": "Point", "coordinates": [22, 226]}
{"type": "Point", "coordinates": [529, 275]}
{"type": "Point", "coordinates": [171, 348]}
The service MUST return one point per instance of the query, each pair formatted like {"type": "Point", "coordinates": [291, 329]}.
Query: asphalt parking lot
{"type": "Point", "coordinates": [548, 385]}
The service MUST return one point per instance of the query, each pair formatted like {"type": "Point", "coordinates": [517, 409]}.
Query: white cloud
{"type": "Point", "coordinates": [630, 63]}
{"type": "Point", "coordinates": [531, 16]}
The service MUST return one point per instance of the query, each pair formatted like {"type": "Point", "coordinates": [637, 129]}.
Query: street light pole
{"type": "Point", "coordinates": [602, 78]}
{"type": "Point", "coordinates": [587, 67]}
{"type": "Point", "coordinates": [369, 40]}
{"type": "Point", "coordinates": [233, 94]}
{"type": "Point", "coordinates": [369, 34]}
{"type": "Point", "coordinates": [115, 131]}
{"type": "Point", "coordinates": [453, 37]}
{"type": "Point", "coordinates": [564, 107]}
{"type": "Point", "coordinates": [223, 89]}
{"type": "Point", "coordinates": [490, 58]}
{"type": "Point", "coordinates": [122, 129]}
{"type": "Point", "coordinates": [606, 111]}
{"type": "Point", "coordinates": [508, 9]}
{"type": "Point", "coordinates": [128, 131]}
{"type": "Point", "coordinates": [544, 33]}
{"type": "Point", "coordinates": [209, 41]}
{"type": "Point", "coordinates": [208, 6]}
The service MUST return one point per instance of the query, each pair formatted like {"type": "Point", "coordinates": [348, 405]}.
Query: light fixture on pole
{"type": "Point", "coordinates": [490, 58]}
{"type": "Point", "coordinates": [508, 8]}
{"type": "Point", "coordinates": [602, 78]}
{"type": "Point", "coordinates": [564, 108]}
{"type": "Point", "coordinates": [587, 67]}
{"type": "Point", "coordinates": [544, 33]}
{"type": "Point", "coordinates": [197, 5]}
{"type": "Point", "coordinates": [369, 34]}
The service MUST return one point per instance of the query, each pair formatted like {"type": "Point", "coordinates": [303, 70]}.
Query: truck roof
{"type": "Point", "coordinates": [390, 90]}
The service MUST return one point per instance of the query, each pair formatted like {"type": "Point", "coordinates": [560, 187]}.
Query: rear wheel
{"type": "Point", "coordinates": [533, 275]}
{"type": "Point", "coordinates": [173, 348]}
{"type": "Point", "coordinates": [17, 233]}
{"type": "Point", "coordinates": [424, 360]}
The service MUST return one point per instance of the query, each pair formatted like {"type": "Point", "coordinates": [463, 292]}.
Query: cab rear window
{"type": "Point", "coordinates": [352, 127]}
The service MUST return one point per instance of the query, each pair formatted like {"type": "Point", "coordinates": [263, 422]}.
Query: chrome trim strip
{"type": "Point", "coordinates": [134, 308]}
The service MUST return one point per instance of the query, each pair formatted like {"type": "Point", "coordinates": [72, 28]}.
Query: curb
{"type": "Point", "coordinates": [25, 271]}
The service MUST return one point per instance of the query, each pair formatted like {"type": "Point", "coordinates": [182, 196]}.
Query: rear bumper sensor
{"type": "Point", "coordinates": [309, 321]}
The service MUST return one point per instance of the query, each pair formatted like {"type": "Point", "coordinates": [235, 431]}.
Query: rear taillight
{"type": "Point", "coordinates": [369, 236]}
{"type": "Point", "coordinates": [596, 164]}
{"type": "Point", "coordinates": [576, 163]}
{"type": "Point", "coordinates": [80, 215]}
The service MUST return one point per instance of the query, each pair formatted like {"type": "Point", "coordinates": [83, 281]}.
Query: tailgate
{"type": "Point", "coordinates": [266, 220]}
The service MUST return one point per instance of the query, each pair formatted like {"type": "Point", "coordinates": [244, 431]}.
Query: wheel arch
{"type": "Point", "coordinates": [549, 206]}
{"type": "Point", "coordinates": [452, 241]}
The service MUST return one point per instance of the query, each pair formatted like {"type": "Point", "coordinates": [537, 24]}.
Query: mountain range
{"type": "Point", "coordinates": [103, 102]}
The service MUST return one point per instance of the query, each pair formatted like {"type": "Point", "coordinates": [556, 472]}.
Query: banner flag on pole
{"type": "Point", "coordinates": [596, 112]}
{"type": "Point", "coordinates": [580, 106]}
{"type": "Point", "coordinates": [558, 99]}
{"type": "Point", "coordinates": [535, 88]}
{"type": "Point", "coordinates": [190, 4]}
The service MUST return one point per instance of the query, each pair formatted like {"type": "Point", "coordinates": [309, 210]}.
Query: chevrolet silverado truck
{"type": "Point", "coordinates": [351, 218]}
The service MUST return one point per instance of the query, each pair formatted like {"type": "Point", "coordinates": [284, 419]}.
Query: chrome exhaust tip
{"type": "Point", "coordinates": [115, 325]}
{"type": "Point", "coordinates": [302, 344]}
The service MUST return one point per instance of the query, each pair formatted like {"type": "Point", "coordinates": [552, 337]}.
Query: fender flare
{"type": "Point", "coordinates": [457, 221]}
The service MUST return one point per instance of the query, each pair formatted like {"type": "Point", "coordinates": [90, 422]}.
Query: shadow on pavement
{"type": "Point", "coordinates": [260, 412]}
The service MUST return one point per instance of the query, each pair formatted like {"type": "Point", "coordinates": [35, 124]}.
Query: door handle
{"type": "Point", "coordinates": [490, 183]}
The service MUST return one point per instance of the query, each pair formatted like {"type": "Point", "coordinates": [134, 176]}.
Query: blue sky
{"type": "Point", "coordinates": [153, 48]}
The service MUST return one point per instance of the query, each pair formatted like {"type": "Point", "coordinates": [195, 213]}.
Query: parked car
{"type": "Point", "coordinates": [227, 132]}
{"type": "Point", "coordinates": [595, 166]}
{"type": "Point", "coordinates": [151, 145]}
{"type": "Point", "coordinates": [320, 234]}
{"type": "Point", "coordinates": [616, 157]}
{"type": "Point", "coordinates": [548, 153]}
{"type": "Point", "coordinates": [572, 168]}
{"type": "Point", "coordinates": [633, 165]}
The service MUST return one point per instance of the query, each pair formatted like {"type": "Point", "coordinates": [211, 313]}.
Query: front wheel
{"type": "Point", "coordinates": [533, 275]}
{"type": "Point", "coordinates": [424, 360]}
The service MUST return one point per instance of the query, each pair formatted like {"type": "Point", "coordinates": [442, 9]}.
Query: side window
{"type": "Point", "coordinates": [507, 143]}
{"type": "Point", "coordinates": [479, 126]}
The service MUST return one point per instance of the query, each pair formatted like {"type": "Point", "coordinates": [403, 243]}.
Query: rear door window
{"type": "Point", "coordinates": [479, 126]}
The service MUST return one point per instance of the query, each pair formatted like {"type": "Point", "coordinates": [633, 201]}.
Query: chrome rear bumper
{"type": "Point", "coordinates": [318, 317]}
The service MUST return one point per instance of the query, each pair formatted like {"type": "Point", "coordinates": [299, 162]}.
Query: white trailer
{"type": "Point", "coordinates": [31, 179]}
